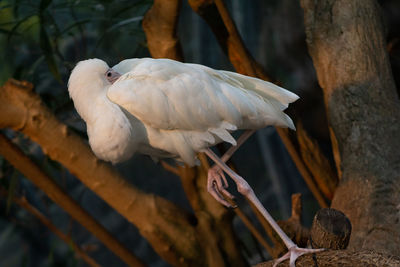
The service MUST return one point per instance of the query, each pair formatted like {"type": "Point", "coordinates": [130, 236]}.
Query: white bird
{"type": "Point", "coordinates": [164, 108]}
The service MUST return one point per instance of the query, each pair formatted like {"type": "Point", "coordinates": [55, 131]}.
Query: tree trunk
{"type": "Point", "coordinates": [347, 44]}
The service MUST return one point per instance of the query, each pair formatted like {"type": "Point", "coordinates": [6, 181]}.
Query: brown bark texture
{"type": "Point", "coordinates": [160, 26]}
{"type": "Point", "coordinates": [347, 44]}
{"type": "Point", "coordinates": [167, 228]}
{"type": "Point", "coordinates": [330, 229]}
{"type": "Point", "coordinates": [342, 258]}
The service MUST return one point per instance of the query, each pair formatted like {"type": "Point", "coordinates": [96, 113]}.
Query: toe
{"type": "Point", "coordinates": [281, 259]}
{"type": "Point", "coordinates": [221, 188]}
{"type": "Point", "coordinates": [293, 253]}
{"type": "Point", "coordinates": [218, 197]}
{"type": "Point", "coordinates": [222, 176]}
{"type": "Point", "coordinates": [216, 186]}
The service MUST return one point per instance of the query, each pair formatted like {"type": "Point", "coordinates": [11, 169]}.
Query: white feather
{"type": "Point", "coordinates": [167, 108]}
{"type": "Point", "coordinates": [223, 135]}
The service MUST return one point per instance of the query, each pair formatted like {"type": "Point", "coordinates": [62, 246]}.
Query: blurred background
{"type": "Point", "coordinates": [41, 41]}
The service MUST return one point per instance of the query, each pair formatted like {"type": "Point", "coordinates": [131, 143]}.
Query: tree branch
{"type": "Point", "coordinates": [217, 17]}
{"type": "Point", "coordinates": [160, 27]}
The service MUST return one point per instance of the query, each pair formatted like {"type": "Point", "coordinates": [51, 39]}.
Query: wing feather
{"type": "Point", "coordinates": [168, 95]}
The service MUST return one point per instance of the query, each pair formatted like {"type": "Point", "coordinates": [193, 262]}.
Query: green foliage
{"type": "Point", "coordinates": [42, 40]}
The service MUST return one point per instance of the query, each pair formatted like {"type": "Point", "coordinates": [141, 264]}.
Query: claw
{"type": "Point", "coordinates": [295, 252]}
{"type": "Point", "coordinates": [216, 186]}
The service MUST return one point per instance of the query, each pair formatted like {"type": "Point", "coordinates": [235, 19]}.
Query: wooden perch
{"type": "Point", "coordinates": [167, 227]}
{"type": "Point", "coordinates": [331, 229]}
{"type": "Point", "coordinates": [343, 258]}
{"type": "Point", "coordinates": [22, 202]}
{"type": "Point", "coordinates": [33, 172]}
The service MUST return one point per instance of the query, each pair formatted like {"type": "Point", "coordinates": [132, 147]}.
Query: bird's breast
{"type": "Point", "coordinates": [111, 136]}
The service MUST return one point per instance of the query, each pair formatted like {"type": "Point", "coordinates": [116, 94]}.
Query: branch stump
{"type": "Point", "coordinates": [331, 229]}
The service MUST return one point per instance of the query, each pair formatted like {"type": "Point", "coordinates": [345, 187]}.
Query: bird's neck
{"type": "Point", "coordinates": [90, 105]}
{"type": "Point", "coordinates": [109, 130]}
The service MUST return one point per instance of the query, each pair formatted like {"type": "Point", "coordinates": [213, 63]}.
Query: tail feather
{"type": "Point", "coordinates": [264, 88]}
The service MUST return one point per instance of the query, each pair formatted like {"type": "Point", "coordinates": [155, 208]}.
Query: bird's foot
{"type": "Point", "coordinates": [217, 184]}
{"type": "Point", "coordinates": [295, 252]}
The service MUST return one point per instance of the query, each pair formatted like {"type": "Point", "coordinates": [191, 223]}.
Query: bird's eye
{"type": "Point", "coordinates": [109, 74]}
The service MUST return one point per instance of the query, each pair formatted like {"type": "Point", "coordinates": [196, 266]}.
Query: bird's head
{"type": "Point", "coordinates": [88, 76]}
{"type": "Point", "coordinates": [88, 81]}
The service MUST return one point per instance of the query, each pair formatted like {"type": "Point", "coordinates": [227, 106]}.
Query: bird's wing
{"type": "Point", "coordinates": [166, 94]}
{"type": "Point", "coordinates": [263, 88]}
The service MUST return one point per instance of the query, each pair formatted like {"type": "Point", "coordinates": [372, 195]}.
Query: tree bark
{"type": "Point", "coordinates": [331, 229]}
{"type": "Point", "coordinates": [160, 26]}
{"type": "Point", "coordinates": [347, 44]}
{"type": "Point", "coordinates": [342, 258]}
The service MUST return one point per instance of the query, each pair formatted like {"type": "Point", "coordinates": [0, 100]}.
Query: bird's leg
{"type": "Point", "coordinates": [228, 154]}
{"type": "Point", "coordinates": [216, 181]}
{"type": "Point", "coordinates": [244, 188]}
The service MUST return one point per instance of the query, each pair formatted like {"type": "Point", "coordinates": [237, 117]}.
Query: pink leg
{"type": "Point", "coordinates": [228, 154]}
{"type": "Point", "coordinates": [245, 189]}
{"type": "Point", "coordinates": [216, 181]}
